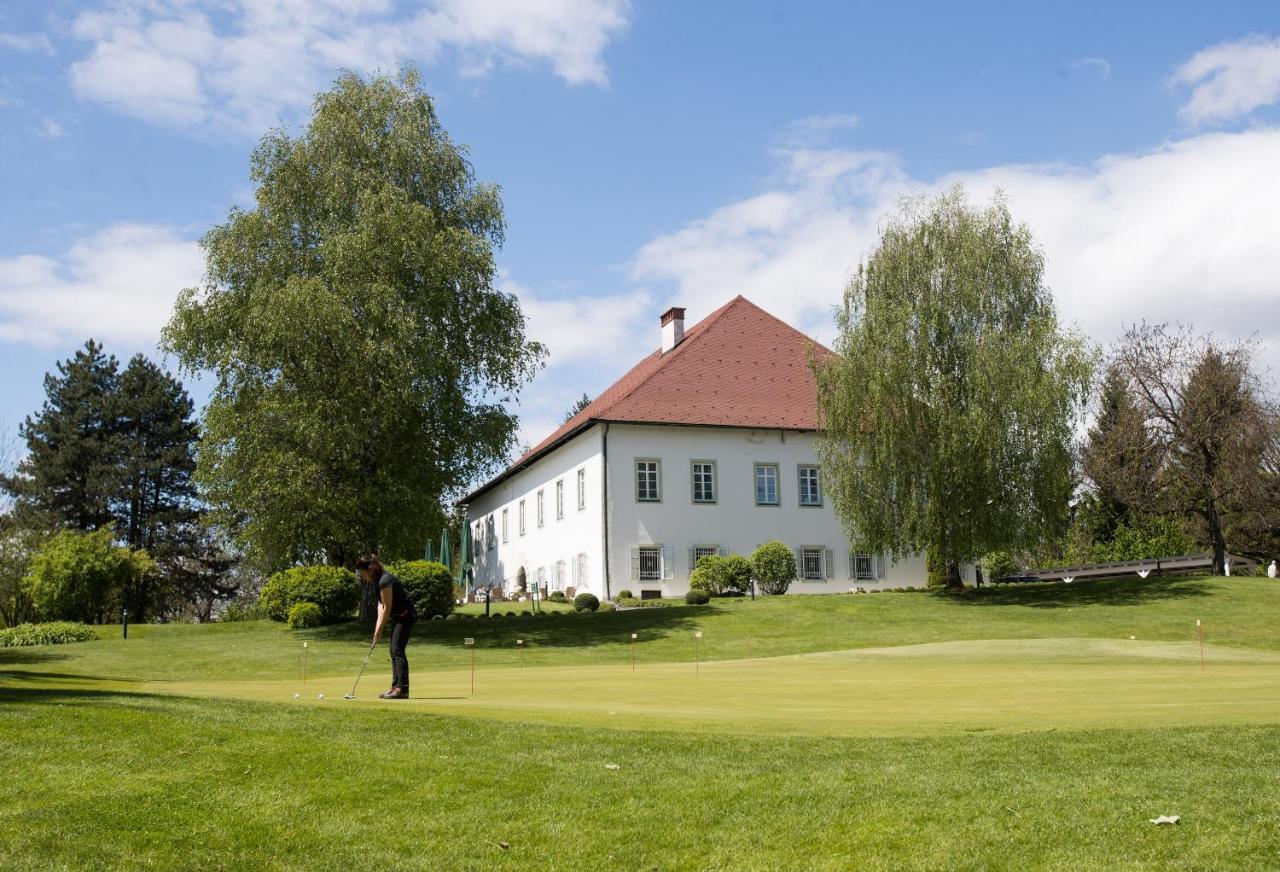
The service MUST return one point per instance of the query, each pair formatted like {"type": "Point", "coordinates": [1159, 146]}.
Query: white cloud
{"type": "Point", "coordinates": [816, 129]}
{"type": "Point", "coordinates": [1230, 79]}
{"type": "Point", "coordinates": [255, 62]}
{"type": "Point", "coordinates": [1101, 66]}
{"type": "Point", "coordinates": [117, 285]}
{"type": "Point", "coordinates": [26, 42]}
{"type": "Point", "coordinates": [51, 128]}
{"type": "Point", "coordinates": [1185, 232]}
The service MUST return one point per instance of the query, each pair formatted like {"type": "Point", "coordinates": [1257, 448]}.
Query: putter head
{"type": "Point", "coordinates": [348, 696]}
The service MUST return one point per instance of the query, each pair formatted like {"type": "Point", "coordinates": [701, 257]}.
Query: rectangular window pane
{"type": "Point", "coordinates": [505, 527]}
{"type": "Point", "coordinates": [541, 509]}
{"type": "Point", "coordinates": [522, 517]}
{"type": "Point", "coordinates": [647, 481]}
{"type": "Point", "coordinates": [862, 568]}
{"type": "Point", "coordinates": [810, 493]}
{"type": "Point", "coordinates": [812, 568]}
{"type": "Point", "coordinates": [582, 489]}
{"type": "Point", "coordinates": [559, 499]}
{"type": "Point", "coordinates": [651, 564]}
{"type": "Point", "coordinates": [701, 551]}
{"type": "Point", "coordinates": [704, 482]}
{"type": "Point", "coordinates": [766, 484]}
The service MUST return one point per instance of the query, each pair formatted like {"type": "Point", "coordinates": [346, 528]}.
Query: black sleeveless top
{"type": "Point", "coordinates": [401, 606]}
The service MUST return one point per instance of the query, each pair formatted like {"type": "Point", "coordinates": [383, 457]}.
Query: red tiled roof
{"type": "Point", "coordinates": [738, 367]}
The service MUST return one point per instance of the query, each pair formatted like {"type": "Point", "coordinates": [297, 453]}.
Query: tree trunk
{"type": "Point", "coordinates": [1216, 540]}
{"type": "Point", "coordinates": [953, 574]}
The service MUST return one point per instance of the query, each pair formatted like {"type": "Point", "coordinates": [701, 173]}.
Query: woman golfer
{"type": "Point", "coordinates": [394, 605]}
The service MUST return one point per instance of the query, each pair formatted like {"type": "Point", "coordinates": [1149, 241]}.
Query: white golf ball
{"type": "Point", "coordinates": [296, 695]}
{"type": "Point", "coordinates": [320, 696]}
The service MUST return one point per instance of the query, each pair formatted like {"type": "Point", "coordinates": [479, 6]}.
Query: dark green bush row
{"type": "Point", "coordinates": [334, 590]}
{"type": "Point", "coordinates": [429, 585]}
{"type": "Point", "coordinates": [697, 596]}
{"type": "Point", "coordinates": [304, 615]}
{"type": "Point", "coordinates": [52, 633]}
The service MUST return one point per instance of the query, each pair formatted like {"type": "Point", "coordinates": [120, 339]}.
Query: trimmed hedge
{"type": "Point", "coordinates": [52, 633]}
{"type": "Point", "coordinates": [720, 576]}
{"type": "Point", "coordinates": [429, 585]}
{"type": "Point", "coordinates": [333, 589]}
{"type": "Point", "coordinates": [697, 597]}
{"type": "Point", "coordinates": [304, 615]}
{"type": "Point", "coordinates": [774, 566]}
{"type": "Point", "coordinates": [586, 602]}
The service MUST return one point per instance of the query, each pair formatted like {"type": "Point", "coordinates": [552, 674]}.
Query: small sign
{"type": "Point", "coordinates": [1197, 622]}
{"type": "Point", "coordinates": [520, 642]}
{"type": "Point", "coordinates": [469, 642]}
{"type": "Point", "coordinates": [635, 636]}
{"type": "Point", "coordinates": [697, 634]}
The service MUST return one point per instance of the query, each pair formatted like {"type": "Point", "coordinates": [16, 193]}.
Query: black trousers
{"type": "Point", "coordinates": [399, 663]}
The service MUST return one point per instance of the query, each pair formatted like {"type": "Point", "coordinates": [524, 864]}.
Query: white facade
{"type": "Point", "coordinates": [563, 547]}
{"type": "Point", "coordinates": [652, 532]}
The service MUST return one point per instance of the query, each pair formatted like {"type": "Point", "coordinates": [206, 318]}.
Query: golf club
{"type": "Point", "coordinates": [352, 695]}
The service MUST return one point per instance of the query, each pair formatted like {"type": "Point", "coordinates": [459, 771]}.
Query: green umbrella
{"type": "Point", "coordinates": [464, 555]}
{"type": "Point", "coordinates": [430, 555]}
{"type": "Point", "coordinates": [445, 556]}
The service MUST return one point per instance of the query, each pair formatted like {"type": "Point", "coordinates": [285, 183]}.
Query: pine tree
{"type": "Point", "coordinates": [70, 471]}
{"type": "Point", "coordinates": [1121, 460]}
{"type": "Point", "coordinates": [157, 436]}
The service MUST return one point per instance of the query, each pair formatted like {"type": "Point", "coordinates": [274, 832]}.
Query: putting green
{"type": "Point", "coordinates": [937, 688]}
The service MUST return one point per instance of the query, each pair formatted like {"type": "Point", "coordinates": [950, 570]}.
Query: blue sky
{"type": "Point", "coordinates": [656, 154]}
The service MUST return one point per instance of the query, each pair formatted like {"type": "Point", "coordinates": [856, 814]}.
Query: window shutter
{"type": "Point", "coordinates": [585, 576]}
{"type": "Point", "coordinates": [723, 551]}
{"type": "Point", "coordinates": [668, 563]}
{"type": "Point", "coordinates": [800, 563]}
{"type": "Point", "coordinates": [635, 564]}
{"type": "Point", "coordinates": [693, 559]}
{"type": "Point", "coordinates": [830, 561]}
{"type": "Point", "coordinates": [853, 567]}
{"type": "Point", "coordinates": [880, 567]}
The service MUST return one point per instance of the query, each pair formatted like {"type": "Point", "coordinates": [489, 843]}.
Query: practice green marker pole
{"type": "Point", "coordinates": [124, 622]}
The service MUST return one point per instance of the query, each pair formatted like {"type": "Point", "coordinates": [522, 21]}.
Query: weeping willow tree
{"type": "Point", "coordinates": [950, 404]}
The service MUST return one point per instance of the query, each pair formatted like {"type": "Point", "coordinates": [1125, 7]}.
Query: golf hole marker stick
{"type": "Point", "coordinates": [352, 695]}
{"type": "Point", "coordinates": [471, 643]}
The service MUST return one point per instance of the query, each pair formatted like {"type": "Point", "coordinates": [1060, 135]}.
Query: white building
{"type": "Point", "coordinates": [706, 446]}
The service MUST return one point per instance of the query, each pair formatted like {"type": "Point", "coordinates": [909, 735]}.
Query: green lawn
{"type": "Point", "coordinates": [1021, 728]}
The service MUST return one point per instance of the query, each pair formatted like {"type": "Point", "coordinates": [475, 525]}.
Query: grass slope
{"type": "Point", "coordinates": [1016, 729]}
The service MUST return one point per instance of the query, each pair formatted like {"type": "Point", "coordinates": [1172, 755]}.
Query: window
{"type": "Point", "coordinates": [648, 489]}
{"type": "Point", "coordinates": [505, 525]}
{"type": "Point", "coordinates": [704, 481]}
{"type": "Point", "coordinates": [580, 569]}
{"type": "Point", "coordinates": [766, 484]}
{"type": "Point", "coordinates": [863, 566]}
{"type": "Point", "coordinates": [811, 564]}
{"type": "Point", "coordinates": [560, 499]}
{"type": "Point", "coordinates": [697, 552]}
{"type": "Point", "coordinates": [559, 575]}
{"type": "Point", "coordinates": [542, 509]}
{"type": "Point", "coordinates": [650, 564]}
{"type": "Point", "coordinates": [582, 489]}
{"type": "Point", "coordinates": [522, 517]}
{"type": "Point", "coordinates": [490, 539]}
{"type": "Point", "coordinates": [542, 576]}
{"type": "Point", "coordinates": [810, 489]}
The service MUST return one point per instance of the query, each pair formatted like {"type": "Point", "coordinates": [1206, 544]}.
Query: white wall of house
{"type": "Point", "coordinates": [566, 546]}
{"type": "Point", "coordinates": [734, 522]}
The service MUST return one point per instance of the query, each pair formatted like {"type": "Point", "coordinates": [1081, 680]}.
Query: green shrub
{"type": "Point", "coordinates": [429, 585]}
{"type": "Point", "coordinates": [52, 633]}
{"type": "Point", "coordinates": [304, 615]}
{"type": "Point", "coordinates": [495, 615]}
{"type": "Point", "coordinates": [721, 576]}
{"type": "Point", "coordinates": [697, 597]}
{"type": "Point", "coordinates": [586, 602]}
{"type": "Point", "coordinates": [624, 594]}
{"type": "Point", "coordinates": [455, 617]}
{"type": "Point", "coordinates": [999, 565]}
{"type": "Point", "coordinates": [607, 607]}
{"type": "Point", "coordinates": [241, 611]}
{"type": "Point", "coordinates": [1147, 538]}
{"type": "Point", "coordinates": [774, 567]}
{"type": "Point", "coordinates": [82, 576]}
{"type": "Point", "coordinates": [333, 589]}
{"type": "Point", "coordinates": [524, 613]}
{"type": "Point", "coordinates": [557, 596]}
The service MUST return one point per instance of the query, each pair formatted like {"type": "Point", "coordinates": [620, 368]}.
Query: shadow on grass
{"type": "Point", "coordinates": [1110, 592]}
{"type": "Point", "coordinates": [548, 630]}
{"type": "Point", "coordinates": [40, 654]}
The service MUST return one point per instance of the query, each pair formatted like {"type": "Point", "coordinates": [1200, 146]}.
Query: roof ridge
{"type": "Point", "coordinates": [705, 324]}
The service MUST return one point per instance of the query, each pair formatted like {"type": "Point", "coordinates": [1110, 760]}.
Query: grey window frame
{"type": "Point", "coordinates": [560, 499]}
{"type": "Point", "coordinates": [657, 479]}
{"type": "Point", "coordinates": [777, 483]}
{"type": "Point", "coordinates": [506, 526]}
{"type": "Point", "coordinates": [521, 519]}
{"type": "Point", "coordinates": [582, 489]}
{"type": "Point", "coordinates": [542, 507]}
{"type": "Point", "coordinates": [693, 483]}
{"type": "Point", "coordinates": [801, 468]}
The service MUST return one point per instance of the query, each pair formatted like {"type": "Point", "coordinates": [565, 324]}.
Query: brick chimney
{"type": "Point", "coordinates": [672, 328]}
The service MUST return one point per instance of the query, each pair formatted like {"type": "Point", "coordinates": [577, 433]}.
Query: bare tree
{"type": "Point", "coordinates": [1205, 408]}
